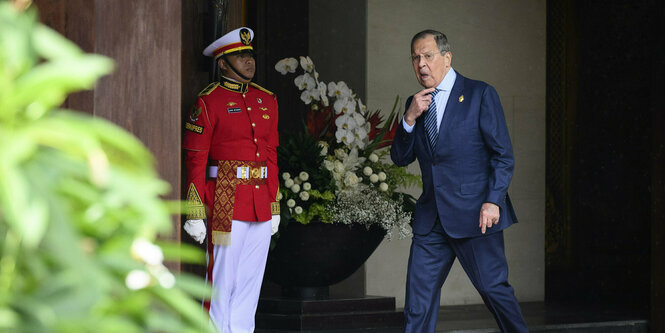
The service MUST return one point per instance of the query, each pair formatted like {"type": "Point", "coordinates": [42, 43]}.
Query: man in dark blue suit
{"type": "Point", "coordinates": [456, 129]}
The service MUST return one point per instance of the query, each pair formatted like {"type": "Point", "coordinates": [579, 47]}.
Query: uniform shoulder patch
{"type": "Point", "coordinates": [207, 90]}
{"type": "Point", "coordinates": [261, 88]}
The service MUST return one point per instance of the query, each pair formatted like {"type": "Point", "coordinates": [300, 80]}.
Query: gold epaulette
{"type": "Point", "coordinates": [207, 90]}
{"type": "Point", "coordinates": [261, 88]}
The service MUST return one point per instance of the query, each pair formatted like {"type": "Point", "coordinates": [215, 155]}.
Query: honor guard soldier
{"type": "Point", "coordinates": [230, 144]}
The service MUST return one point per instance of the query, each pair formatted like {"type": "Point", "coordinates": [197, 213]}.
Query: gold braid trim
{"type": "Point", "coordinates": [195, 208]}
{"type": "Point", "coordinates": [274, 208]}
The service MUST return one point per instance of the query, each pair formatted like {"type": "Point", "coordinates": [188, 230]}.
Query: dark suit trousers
{"type": "Point", "coordinates": [483, 260]}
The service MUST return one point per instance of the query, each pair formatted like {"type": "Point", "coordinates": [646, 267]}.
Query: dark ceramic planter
{"type": "Point", "coordinates": [309, 258]}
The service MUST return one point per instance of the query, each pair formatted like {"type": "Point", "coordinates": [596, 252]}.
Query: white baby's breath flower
{"type": "Point", "coordinates": [383, 187]}
{"type": "Point", "coordinates": [147, 252]}
{"type": "Point", "coordinates": [137, 279]}
{"type": "Point", "coordinates": [329, 165]}
{"type": "Point", "coordinates": [367, 171]}
{"type": "Point", "coordinates": [289, 182]}
{"type": "Point", "coordinates": [286, 65]}
{"type": "Point", "coordinates": [373, 157]}
{"type": "Point", "coordinates": [286, 175]}
{"type": "Point", "coordinates": [291, 203]}
{"type": "Point", "coordinates": [374, 178]}
{"type": "Point", "coordinates": [306, 186]}
{"type": "Point", "coordinates": [382, 176]}
{"type": "Point", "coordinates": [298, 210]}
{"type": "Point", "coordinates": [304, 196]}
{"type": "Point", "coordinates": [295, 188]}
{"type": "Point", "coordinates": [306, 64]}
{"type": "Point", "coordinates": [303, 176]}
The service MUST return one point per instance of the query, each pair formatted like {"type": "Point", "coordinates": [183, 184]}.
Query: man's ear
{"type": "Point", "coordinates": [221, 63]}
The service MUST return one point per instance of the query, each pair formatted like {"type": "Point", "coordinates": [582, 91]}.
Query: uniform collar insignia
{"type": "Point", "coordinates": [233, 85]}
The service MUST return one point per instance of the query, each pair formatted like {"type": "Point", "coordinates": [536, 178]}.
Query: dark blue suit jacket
{"type": "Point", "coordinates": [472, 163]}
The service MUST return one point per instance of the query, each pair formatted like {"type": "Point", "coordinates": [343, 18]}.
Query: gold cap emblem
{"type": "Point", "coordinates": [245, 36]}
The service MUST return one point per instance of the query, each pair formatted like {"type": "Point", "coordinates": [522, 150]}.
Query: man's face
{"type": "Point", "coordinates": [243, 62]}
{"type": "Point", "coordinates": [428, 63]}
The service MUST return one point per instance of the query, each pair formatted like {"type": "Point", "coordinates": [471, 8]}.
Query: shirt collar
{"type": "Point", "coordinates": [448, 81]}
{"type": "Point", "coordinates": [233, 85]}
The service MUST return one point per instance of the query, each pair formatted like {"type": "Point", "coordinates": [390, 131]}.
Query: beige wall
{"type": "Point", "coordinates": [499, 42]}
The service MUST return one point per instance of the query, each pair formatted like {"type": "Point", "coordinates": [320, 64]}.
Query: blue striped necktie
{"type": "Point", "coordinates": [430, 121]}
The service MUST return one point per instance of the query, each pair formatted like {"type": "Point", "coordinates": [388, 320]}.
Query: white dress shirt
{"type": "Point", "coordinates": [441, 99]}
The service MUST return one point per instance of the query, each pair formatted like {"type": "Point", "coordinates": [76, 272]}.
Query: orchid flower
{"type": "Point", "coordinates": [322, 91]}
{"type": "Point", "coordinates": [344, 136]}
{"type": "Point", "coordinates": [306, 97]}
{"type": "Point", "coordinates": [306, 64]}
{"type": "Point", "coordinates": [343, 105]}
{"type": "Point", "coordinates": [361, 107]}
{"type": "Point", "coordinates": [305, 81]}
{"type": "Point", "coordinates": [345, 122]}
{"type": "Point", "coordinates": [286, 65]}
{"type": "Point", "coordinates": [339, 90]}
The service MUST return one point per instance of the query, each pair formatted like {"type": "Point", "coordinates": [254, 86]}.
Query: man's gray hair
{"type": "Point", "coordinates": [439, 38]}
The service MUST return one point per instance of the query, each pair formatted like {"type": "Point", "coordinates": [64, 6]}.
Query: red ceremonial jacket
{"type": "Point", "coordinates": [232, 121]}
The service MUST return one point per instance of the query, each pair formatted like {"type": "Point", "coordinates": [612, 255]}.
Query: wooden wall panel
{"type": "Point", "coordinates": [143, 95]}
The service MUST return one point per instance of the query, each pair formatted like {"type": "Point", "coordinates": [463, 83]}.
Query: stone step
{"type": "Point", "coordinates": [541, 317]}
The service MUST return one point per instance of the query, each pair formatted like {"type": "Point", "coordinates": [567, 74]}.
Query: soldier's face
{"type": "Point", "coordinates": [242, 62]}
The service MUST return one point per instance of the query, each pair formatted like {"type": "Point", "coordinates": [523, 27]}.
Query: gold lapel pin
{"type": "Point", "coordinates": [461, 99]}
{"type": "Point", "coordinates": [265, 116]}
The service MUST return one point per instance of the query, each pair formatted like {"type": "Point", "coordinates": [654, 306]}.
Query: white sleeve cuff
{"type": "Point", "coordinates": [407, 128]}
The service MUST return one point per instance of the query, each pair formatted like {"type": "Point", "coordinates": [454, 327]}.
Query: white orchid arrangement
{"type": "Point", "coordinates": [351, 122]}
{"type": "Point", "coordinates": [337, 162]}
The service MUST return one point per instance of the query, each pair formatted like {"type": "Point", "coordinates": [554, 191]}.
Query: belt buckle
{"type": "Point", "coordinates": [255, 172]}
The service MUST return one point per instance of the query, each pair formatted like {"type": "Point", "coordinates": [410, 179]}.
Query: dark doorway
{"type": "Point", "coordinates": [602, 153]}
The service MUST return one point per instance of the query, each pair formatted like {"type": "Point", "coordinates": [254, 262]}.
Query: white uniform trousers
{"type": "Point", "coordinates": [237, 274]}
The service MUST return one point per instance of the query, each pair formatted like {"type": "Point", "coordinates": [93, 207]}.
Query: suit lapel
{"type": "Point", "coordinates": [453, 106]}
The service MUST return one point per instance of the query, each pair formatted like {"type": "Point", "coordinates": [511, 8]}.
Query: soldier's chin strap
{"type": "Point", "coordinates": [234, 69]}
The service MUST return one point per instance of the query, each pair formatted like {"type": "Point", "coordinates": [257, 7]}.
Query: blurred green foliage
{"type": "Point", "coordinates": [80, 204]}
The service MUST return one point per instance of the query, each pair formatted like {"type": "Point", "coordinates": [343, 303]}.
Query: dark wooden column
{"type": "Point", "coordinates": [143, 95]}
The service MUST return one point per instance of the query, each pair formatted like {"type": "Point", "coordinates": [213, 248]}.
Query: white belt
{"type": "Point", "coordinates": [242, 172]}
